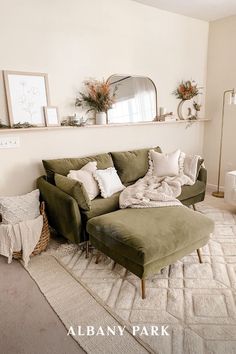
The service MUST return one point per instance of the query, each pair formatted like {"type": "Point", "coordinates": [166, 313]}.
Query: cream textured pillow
{"type": "Point", "coordinates": [20, 208]}
{"type": "Point", "coordinates": [165, 164]}
{"type": "Point", "coordinates": [109, 182]}
{"type": "Point", "coordinates": [85, 176]}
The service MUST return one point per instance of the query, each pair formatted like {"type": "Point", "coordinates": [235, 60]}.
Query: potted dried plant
{"type": "Point", "coordinates": [98, 97]}
{"type": "Point", "coordinates": [186, 91]}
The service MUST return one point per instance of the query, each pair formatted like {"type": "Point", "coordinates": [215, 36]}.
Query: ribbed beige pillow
{"type": "Point", "coordinates": [85, 176]}
{"type": "Point", "coordinates": [165, 164]}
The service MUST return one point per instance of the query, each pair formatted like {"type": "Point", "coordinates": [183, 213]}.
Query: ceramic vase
{"type": "Point", "coordinates": [101, 118]}
{"type": "Point", "coordinates": [180, 109]}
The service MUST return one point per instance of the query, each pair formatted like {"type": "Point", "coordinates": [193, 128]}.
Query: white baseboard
{"type": "Point", "coordinates": [213, 187]}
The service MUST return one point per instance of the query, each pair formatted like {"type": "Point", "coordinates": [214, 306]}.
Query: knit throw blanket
{"type": "Point", "coordinates": [152, 191]}
{"type": "Point", "coordinates": [22, 236]}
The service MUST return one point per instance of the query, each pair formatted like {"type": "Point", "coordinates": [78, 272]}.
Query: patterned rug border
{"type": "Point", "coordinates": [128, 328]}
{"type": "Point", "coordinates": [45, 297]}
{"type": "Point", "coordinates": [99, 301]}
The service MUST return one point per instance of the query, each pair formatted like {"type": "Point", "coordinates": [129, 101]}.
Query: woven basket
{"type": "Point", "coordinates": [44, 238]}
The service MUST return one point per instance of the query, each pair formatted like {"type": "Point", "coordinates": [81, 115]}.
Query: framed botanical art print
{"type": "Point", "coordinates": [27, 94]}
{"type": "Point", "coordinates": [51, 116]}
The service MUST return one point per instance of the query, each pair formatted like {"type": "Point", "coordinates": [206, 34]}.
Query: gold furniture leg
{"type": "Point", "coordinates": [97, 258]}
{"type": "Point", "coordinates": [87, 249]}
{"type": "Point", "coordinates": [143, 288]}
{"type": "Point", "coordinates": [199, 255]}
{"type": "Point", "coordinates": [194, 207]}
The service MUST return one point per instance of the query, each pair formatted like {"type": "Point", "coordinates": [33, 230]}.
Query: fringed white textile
{"type": "Point", "coordinates": [152, 191]}
{"type": "Point", "coordinates": [22, 236]}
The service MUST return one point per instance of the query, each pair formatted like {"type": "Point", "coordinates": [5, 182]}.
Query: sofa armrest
{"type": "Point", "coordinates": [202, 176]}
{"type": "Point", "coordinates": [62, 211]}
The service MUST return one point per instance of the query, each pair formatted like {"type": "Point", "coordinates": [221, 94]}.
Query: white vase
{"type": "Point", "coordinates": [101, 118]}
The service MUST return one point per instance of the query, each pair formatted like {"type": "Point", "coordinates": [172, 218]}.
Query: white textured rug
{"type": "Point", "coordinates": [197, 301]}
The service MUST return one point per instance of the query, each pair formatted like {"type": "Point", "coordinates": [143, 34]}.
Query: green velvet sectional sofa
{"type": "Point", "coordinates": [142, 240]}
{"type": "Point", "coordinates": [63, 211]}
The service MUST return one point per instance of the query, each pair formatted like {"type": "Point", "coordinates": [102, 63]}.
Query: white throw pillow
{"type": "Point", "coordinates": [109, 182]}
{"type": "Point", "coordinates": [85, 176]}
{"type": "Point", "coordinates": [165, 164]}
{"type": "Point", "coordinates": [20, 208]}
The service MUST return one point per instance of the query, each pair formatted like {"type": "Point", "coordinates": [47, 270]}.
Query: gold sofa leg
{"type": "Point", "coordinates": [199, 255]}
{"type": "Point", "coordinates": [194, 207]}
{"type": "Point", "coordinates": [87, 249]}
{"type": "Point", "coordinates": [143, 288]}
{"type": "Point", "coordinates": [97, 258]}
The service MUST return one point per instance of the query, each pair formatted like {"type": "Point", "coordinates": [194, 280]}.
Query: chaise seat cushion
{"type": "Point", "coordinates": [101, 205]}
{"type": "Point", "coordinates": [146, 236]}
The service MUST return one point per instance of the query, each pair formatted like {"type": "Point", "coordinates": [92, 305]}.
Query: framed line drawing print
{"type": "Point", "coordinates": [27, 94]}
{"type": "Point", "coordinates": [51, 116]}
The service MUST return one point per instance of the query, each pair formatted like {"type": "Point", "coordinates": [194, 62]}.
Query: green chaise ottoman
{"type": "Point", "coordinates": [146, 240]}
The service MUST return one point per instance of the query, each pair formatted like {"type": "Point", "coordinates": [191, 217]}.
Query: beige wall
{"type": "Point", "coordinates": [76, 39]}
{"type": "Point", "coordinates": [221, 76]}
{"type": "Point", "coordinates": [20, 167]}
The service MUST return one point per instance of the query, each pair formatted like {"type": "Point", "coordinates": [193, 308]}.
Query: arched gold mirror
{"type": "Point", "coordinates": [136, 99]}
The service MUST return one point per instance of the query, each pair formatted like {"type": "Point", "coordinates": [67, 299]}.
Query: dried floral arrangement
{"type": "Point", "coordinates": [17, 125]}
{"type": "Point", "coordinates": [97, 96]}
{"type": "Point", "coordinates": [186, 90]}
{"type": "Point", "coordinates": [197, 106]}
{"type": "Point", "coordinates": [74, 122]}
{"type": "Point", "coordinates": [23, 125]}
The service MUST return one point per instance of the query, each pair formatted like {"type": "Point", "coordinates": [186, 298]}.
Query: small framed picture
{"type": "Point", "coordinates": [51, 116]}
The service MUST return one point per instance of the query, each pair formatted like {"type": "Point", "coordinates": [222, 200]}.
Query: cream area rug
{"type": "Point", "coordinates": [195, 303]}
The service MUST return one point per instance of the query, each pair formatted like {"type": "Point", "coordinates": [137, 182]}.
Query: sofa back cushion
{"type": "Point", "coordinates": [75, 189]}
{"type": "Point", "coordinates": [132, 165]}
{"type": "Point", "coordinates": [63, 166]}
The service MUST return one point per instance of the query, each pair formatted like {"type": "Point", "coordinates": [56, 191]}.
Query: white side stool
{"type": "Point", "coordinates": [230, 188]}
